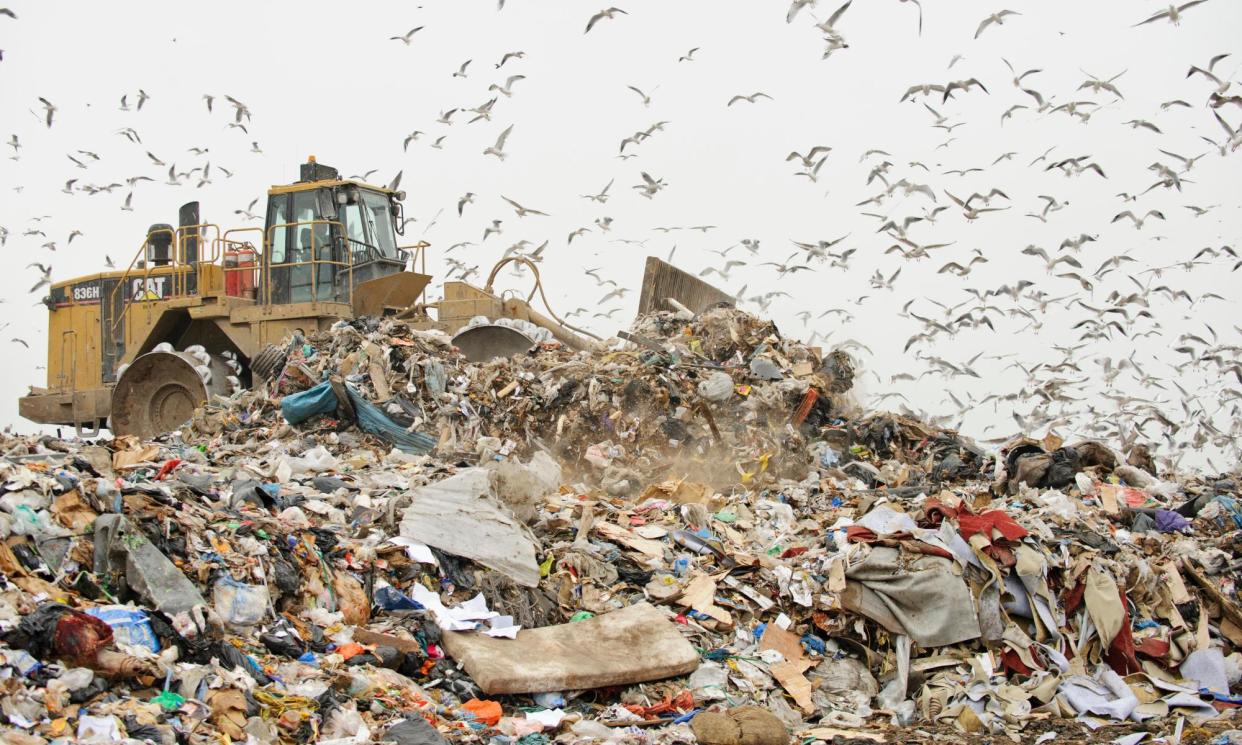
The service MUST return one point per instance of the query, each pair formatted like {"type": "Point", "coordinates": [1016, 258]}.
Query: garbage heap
{"type": "Point", "coordinates": [691, 534]}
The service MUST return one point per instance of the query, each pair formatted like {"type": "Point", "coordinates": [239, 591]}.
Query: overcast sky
{"type": "Point", "coordinates": [324, 78]}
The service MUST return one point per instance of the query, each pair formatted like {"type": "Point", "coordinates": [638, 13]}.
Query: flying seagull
{"type": "Point", "coordinates": [752, 98]}
{"type": "Point", "coordinates": [1173, 13]}
{"type": "Point", "coordinates": [407, 37]}
{"type": "Point", "coordinates": [997, 18]}
{"type": "Point", "coordinates": [608, 13]}
{"type": "Point", "coordinates": [499, 148]}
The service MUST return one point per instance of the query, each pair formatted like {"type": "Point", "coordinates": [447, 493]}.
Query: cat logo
{"type": "Point", "coordinates": [149, 288]}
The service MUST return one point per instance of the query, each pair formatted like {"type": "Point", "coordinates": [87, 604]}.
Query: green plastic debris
{"type": "Point", "coordinates": [581, 615]}
{"type": "Point", "coordinates": [169, 700]}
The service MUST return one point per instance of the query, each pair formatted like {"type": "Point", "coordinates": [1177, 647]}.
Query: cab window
{"type": "Point", "coordinates": [309, 236]}
{"type": "Point", "coordinates": [277, 216]}
{"type": "Point", "coordinates": [378, 212]}
{"type": "Point", "coordinates": [350, 216]}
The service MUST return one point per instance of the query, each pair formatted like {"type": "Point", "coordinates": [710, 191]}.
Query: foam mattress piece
{"type": "Point", "coordinates": [635, 644]}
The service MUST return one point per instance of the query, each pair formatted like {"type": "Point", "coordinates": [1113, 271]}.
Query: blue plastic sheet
{"type": "Point", "coordinates": [372, 420]}
{"type": "Point", "coordinates": [1232, 509]}
{"type": "Point", "coordinates": [298, 407]}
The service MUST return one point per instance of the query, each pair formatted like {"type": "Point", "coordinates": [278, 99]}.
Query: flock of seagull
{"type": "Point", "coordinates": [1137, 397]}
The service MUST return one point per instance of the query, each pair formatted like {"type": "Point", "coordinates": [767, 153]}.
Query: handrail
{"type": "Point", "coordinates": [211, 250]}
{"type": "Point", "coordinates": [182, 236]}
{"type": "Point", "coordinates": [314, 262]}
{"type": "Point", "coordinates": [179, 268]}
{"type": "Point", "coordinates": [142, 251]}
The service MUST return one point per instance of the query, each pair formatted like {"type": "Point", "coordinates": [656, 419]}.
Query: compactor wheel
{"type": "Point", "coordinates": [161, 389]}
{"type": "Point", "coordinates": [491, 341]}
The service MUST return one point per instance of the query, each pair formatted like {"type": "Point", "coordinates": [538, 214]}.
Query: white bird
{"type": "Point", "coordinates": [522, 211]}
{"type": "Point", "coordinates": [508, 56]}
{"type": "Point", "coordinates": [483, 112]}
{"type": "Point", "coordinates": [1173, 13]}
{"type": "Point", "coordinates": [752, 98]}
{"type": "Point", "coordinates": [795, 7]}
{"type": "Point", "coordinates": [407, 36]}
{"type": "Point", "coordinates": [650, 185]}
{"type": "Point", "coordinates": [1138, 221]}
{"type": "Point", "coordinates": [499, 148]}
{"type": "Point", "coordinates": [608, 13]}
{"type": "Point", "coordinates": [602, 196]}
{"type": "Point", "coordinates": [646, 98]}
{"type": "Point", "coordinates": [49, 108]}
{"type": "Point", "coordinates": [997, 18]}
{"type": "Point", "coordinates": [1097, 84]}
{"type": "Point", "coordinates": [506, 89]}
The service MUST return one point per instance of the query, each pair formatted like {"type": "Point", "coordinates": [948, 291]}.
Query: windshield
{"type": "Point", "coordinates": [378, 214]}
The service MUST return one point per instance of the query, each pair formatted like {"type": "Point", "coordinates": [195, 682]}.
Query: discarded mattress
{"type": "Point", "coordinates": [632, 645]}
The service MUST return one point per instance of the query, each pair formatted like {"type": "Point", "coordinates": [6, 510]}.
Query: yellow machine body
{"type": "Point", "coordinates": [327, 252]}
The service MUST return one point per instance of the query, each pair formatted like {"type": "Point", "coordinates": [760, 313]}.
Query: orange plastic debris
{"type": "Point", "coordinates": [487, 712]}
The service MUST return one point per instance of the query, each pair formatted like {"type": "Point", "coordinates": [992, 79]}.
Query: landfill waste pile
{"type": "Point", "coordinates": [690, 534]}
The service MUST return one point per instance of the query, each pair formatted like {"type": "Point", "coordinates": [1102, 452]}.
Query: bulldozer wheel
{"type": "Point", "coordinates": [268, 363]}
{"type": "Point", "coordinates": [160, 391]}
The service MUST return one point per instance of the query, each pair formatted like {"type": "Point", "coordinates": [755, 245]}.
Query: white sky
{"type": "Point", "coordinates": [324, 78]}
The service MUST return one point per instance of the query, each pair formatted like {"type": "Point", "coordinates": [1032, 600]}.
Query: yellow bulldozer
{"type": "Point", "coordinates": [201, 310]}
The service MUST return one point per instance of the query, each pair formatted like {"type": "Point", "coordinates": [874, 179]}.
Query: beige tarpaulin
{"type": "Point", "coordinates": [919, 597]}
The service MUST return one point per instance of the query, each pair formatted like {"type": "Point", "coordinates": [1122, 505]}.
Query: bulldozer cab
{"type": "Point", "coordinates": [324, 235]}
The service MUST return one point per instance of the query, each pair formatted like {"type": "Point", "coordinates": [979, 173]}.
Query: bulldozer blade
{"type": "Point", "coordinates": [491, 341]}
{"type": "Point", "coordinates": [393, 292]}
{"type": "Point", "coordinates": [662, 281]}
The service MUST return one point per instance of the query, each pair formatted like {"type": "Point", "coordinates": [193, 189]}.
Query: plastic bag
{"type": "Point", "coordinates": [312, 461]}
{"type": "Point", "coordinates": [298, 407]}
{"type": "Point", "coordinates": [239, 604]}
{"type": "Point", "coordinates": [717, 387]}
{"type": "Point", "coordinates": [709, 682]}
{"type": "Point", "coordinates": [129, 625]}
